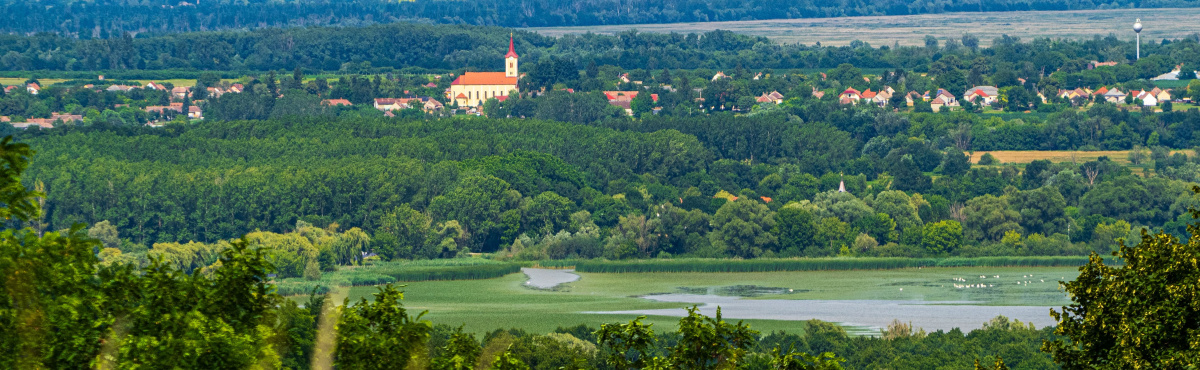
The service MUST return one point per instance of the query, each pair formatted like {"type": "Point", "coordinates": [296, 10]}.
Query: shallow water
{"type": "Point", "coordinates": [871, 314]}
{"type": "Point", "coordinates": [547, 278]}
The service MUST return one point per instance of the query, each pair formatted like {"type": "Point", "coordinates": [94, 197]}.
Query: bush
{"type": "Point", "coordinates": [988, 160]}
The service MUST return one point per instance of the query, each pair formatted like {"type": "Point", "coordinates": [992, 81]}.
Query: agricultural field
{"type": "Point", "coordinates": [911, 29]}
{"type": "Point", "coordinates": [484, 305]}
{"type": "Point", "coordinates": [9, 81]}
{"type": "Point", "coordinates": [1077, 156]}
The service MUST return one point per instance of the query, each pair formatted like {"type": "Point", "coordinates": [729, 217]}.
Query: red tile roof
{"type": "Point", "coordinates": [484, 78]}
{"type": "Point", "coordinates": [335, 102]}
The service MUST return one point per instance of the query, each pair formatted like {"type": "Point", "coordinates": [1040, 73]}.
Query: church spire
{"type": "Point", "coordinates": [512, 52]}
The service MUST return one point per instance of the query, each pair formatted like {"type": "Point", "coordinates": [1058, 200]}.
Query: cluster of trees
{"type": "Point", "coordinates": [722, 185]}
{"type": "Point", "coordinates": [103, 19]}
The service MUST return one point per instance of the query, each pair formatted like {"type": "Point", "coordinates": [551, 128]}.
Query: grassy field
{"type": "Point", "coordinates": [9, 81]}
{"type": "Point", "coordinates": [484, 305]}
{"type": "Point", "coordinates": [1026, 156]}
{"type": "Point", "coordinates": [911, 29]}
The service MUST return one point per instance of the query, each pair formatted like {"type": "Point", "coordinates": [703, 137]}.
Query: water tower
{"type": "Point", "coordinates": [1137, 29]}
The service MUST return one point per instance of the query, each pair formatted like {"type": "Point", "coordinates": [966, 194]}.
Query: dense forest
{"type": "Point", "coordinates": [100, 19]}
{"type": "Point", "coordinates": [532, 189]}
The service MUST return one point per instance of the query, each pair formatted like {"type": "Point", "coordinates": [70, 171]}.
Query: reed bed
{"type": "Point", "coordinates": [379, 273]}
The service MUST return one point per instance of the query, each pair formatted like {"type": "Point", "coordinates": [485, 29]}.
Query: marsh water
{"type": "Point", "coordinates": [869, 314]}
{"type": "Point", "coordinates": [547, 278]}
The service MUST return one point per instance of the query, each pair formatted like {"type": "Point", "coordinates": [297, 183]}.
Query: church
{"type": "Point", "coordinates": [471, 89]}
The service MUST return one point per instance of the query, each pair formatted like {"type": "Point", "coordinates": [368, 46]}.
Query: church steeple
{"type": "Point", "coordinates": [510, 59]}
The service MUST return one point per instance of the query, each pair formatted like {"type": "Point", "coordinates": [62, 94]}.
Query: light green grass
{"type": "Point", "coordinates": [9, 81]}
{"type": "Point", "coordinates": [484, 305]}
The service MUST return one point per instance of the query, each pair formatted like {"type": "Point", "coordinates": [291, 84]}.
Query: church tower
{"type": "Point", "coordinates": [510, 60]}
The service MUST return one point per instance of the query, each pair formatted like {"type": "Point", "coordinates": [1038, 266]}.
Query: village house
{"type": "Point", "coordinates": [1114, 96]}
{"type": "Point", "coordinates": [1148, 99]}
{"type": "Point", "coordinates": [943, 99]}
{"type": "Point", "coordinates": [773, 97]}
{"type": "Point", "coordinates": [155, 86]}
{"type": "Point", "coordinates": [850, 96]}
{"type": "Point", "coordinates": [720, 76]}
{"type": "Point", "coordinates": [390, 104]}
{"type": "Point", "coordinates": [982, 95]}
{"type": "Point", "coordinates": [181, 92]}
{"type": "Point", "coordinates": [336, 102]}
{"type": "Point", "coordinates": [912, 97]}
{"type": "Point", "coordinates": [624, 99]}
{"type": "Point", "coordinates": [471, 89]}
{"type": "Point", "coordinates": [119, 88]}
{"type": "Point", "coordinates": [33, 88]}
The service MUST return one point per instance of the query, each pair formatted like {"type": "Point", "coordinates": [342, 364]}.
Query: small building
{"type": "Point", "coordinates": [982, 95]}
{"type": "Point", "coordinates": [850, 96]}
{"type": "Point", "coordinates": [336, 102]}
{"type": "Point", "coordinates": [1115, 96]}
{"type": "Point", "coordinates": [624, 99]}
{"type": "Point", "coordinates": [181, 92]}
{"type": "Point", "coordinates": [720, 76]}
{"type": "Point", "coordinates": [943, 99]}
{"type": "Point", "coordinates": [390, 104]}
{"type": "Point", "coordinates": [33, 88]}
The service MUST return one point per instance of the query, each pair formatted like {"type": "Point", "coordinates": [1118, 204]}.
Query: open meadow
{"type": "Point", "coordinates": [484, 305]}
{"type": "Point", "coordinates": [911, 29]}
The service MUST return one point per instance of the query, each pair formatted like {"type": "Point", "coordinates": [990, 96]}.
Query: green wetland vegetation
{"type": "Point", "coordinates": [479, 305]}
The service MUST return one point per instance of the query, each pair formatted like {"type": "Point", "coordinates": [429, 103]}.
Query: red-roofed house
{"type": "Point", "coordinates": [850, 96]}
{"type": "Point", "coordinates": [474, 88]}
{"type": "Point", "coordinates": [624, 99]}
{"type": "Point", "coordinates": [388, 104]}
{"type": "Point", "coordinates": [33, 88]}
{"type": "Point", "coordinates": [336, 102]}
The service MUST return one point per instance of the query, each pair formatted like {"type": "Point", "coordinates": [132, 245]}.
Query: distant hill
{"type": "Point", "coordinates": [97, 18]}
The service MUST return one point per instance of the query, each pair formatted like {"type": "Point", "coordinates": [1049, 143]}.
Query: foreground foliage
{"type": "Point", "coordinates": [1143, 315]}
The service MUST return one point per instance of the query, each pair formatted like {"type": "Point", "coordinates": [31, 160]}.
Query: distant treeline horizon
{"type": "Point", "coordinates": [112, 18]}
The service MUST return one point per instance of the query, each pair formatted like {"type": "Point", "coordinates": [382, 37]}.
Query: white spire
{"type": "Point", "coordinates": [842, 186]}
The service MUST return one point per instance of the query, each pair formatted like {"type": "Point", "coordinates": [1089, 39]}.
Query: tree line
{"type": "Point", "coordinates": [390, 47]}
{"type": "Point", "coordinates": [104, 19]}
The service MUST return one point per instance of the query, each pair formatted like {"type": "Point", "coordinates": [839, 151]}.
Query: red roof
{"type": "Point", "coordinates": [512, 53]}
{"type": "Point", "coordinates": [484, 78]}
{"type": "Point", "coordinates": [334, 102]}
{"type": "Point", "coordinates": [850, 90]}
{"type": "Point", "coordinates": [502, 98]}
{"type": "Point", "coordinates": [981, 93]}
{"type": "Point", "coordinates": [868, 94]}
{"type": "Point", "coordinates": [1101, 91]}
{"type": "Point", "coordinates": [460, 96]}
